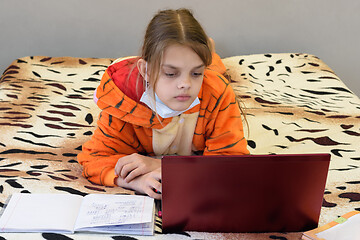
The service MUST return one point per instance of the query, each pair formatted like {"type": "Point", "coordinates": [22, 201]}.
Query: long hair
{"type": "Point", "coordinates": [169, 27]}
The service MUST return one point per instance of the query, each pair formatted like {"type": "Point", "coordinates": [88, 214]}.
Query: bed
{"type": "Point", "coordinates": [294, 103]}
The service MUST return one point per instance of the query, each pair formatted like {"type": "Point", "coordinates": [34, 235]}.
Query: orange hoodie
{"type": "Point", "coordinates": [127, 126]}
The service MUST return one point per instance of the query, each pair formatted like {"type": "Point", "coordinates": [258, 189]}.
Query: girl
{"type": "Point", "coordinates": [172, 99]}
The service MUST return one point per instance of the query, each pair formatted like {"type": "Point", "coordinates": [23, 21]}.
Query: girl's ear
{"type": "Point", "coordinates": [141, 65]}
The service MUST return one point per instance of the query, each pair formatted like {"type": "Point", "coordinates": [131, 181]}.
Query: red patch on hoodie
{"type": "Point", "coordinates": [126, 77]}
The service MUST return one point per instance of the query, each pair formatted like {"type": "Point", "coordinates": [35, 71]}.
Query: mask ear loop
{"type": "Point", "coordinates": [146, 82]}
{"type": "Point", "coordinates": [148, 88]}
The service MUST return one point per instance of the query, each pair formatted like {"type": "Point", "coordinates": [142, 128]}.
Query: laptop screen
{"type": "Point", "coordinates": [247, 193]}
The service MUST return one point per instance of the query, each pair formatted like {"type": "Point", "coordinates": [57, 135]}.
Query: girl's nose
{"type": "Point", "coordinates": [185, 82]}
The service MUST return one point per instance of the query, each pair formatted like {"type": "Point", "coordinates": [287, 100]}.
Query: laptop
{"type": "Point", "coordinates": [247, 193]}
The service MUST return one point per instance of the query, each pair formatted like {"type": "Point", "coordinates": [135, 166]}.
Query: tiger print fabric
{"type": "Point", "coordinates": [294, 103]}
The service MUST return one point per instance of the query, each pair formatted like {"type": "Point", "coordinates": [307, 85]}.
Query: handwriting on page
{"type": "Point", "coordinates": [115, 213]}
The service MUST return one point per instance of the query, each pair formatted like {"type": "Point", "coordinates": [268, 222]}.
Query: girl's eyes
{"type": "Point", "coordinates": [172, 75]}
{"type": "Point", "coordinates": [197, 74]}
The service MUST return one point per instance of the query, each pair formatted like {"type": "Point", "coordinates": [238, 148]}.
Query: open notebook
{"type": "Point", "coordinates": [68, 213]}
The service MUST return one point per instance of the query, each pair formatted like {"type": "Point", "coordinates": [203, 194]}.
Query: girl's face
{"type": "Point", "coordinates": [180, 78]}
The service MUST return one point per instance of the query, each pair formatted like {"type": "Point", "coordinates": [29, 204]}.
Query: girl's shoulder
{"type": "Point", "coordinates": [215, 83]}
{"type": "Point", "coordinates": [214, 80]}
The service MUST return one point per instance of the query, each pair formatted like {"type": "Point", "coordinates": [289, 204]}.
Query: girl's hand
{"type": "Point", "coordinates": [135, 165]}
{"type": "Point", "coordinates": [149, 183]}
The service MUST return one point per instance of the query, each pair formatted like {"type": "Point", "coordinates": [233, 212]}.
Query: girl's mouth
{"type": "Point", "coordinates": [183, 98]}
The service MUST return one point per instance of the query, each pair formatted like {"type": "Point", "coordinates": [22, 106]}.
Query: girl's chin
{"type": "Point", "coordinates": [179, 107]}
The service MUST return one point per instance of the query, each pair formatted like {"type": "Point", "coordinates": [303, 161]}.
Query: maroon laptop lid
{"type": "Point", "coordinates": [248, 193]}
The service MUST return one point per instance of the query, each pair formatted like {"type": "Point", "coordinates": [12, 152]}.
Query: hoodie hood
{"type": "Point", "coordinates": [119, 94]}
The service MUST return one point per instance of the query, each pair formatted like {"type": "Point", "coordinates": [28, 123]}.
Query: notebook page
{"type": "Point", "coordinates": [348, 230]}
{"type": "Point", "coordinates": [40, 213]}
{"type": "Point", "coordinates": [131, 229]}
{"type": "Point", "coordinates": [106, 210]}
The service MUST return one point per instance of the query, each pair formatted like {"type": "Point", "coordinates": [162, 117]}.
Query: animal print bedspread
{"type": "Point", "coordinates": [294, 103]}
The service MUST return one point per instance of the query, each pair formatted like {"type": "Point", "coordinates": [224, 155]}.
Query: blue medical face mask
{"type": "Point", "coordinates": [157, 105]}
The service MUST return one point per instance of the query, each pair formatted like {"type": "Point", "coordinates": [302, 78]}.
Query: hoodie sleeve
{"type": "Point", "coordinates": [114, 137]}
{"type": "Point", "coordinates": [100, 154]}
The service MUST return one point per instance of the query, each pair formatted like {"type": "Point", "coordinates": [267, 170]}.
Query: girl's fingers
{"type": "Point", "coordinates": [152, 194]}
{"type": "Point", "coordinates": [154, 189]}
{"type": "Point", "coordinates": [120, 164]}
{"type": "Point", "coordinates": [156, 182]}
{"type": "Point", "coordinates": [133, 174]}
{"type": "Point", "coordinates": [125, 165]}
{"type": "Point", "coordinates": [128, 169]}
{"type": "Point", "coordinates": [156, 174]}
{"type": "Point", "coordinates": [151, 185]}
{"type": "Point", "coordinates": [148, 183]}
{"type": "Point", "coordinates": [157, 189]}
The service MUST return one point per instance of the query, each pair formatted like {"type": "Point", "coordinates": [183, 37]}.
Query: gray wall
{"type": "Point", "coordinates": [328, 29]}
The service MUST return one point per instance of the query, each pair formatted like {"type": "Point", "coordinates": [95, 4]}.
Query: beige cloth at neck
{"type": "Point", "coordinates": [176, 137]}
